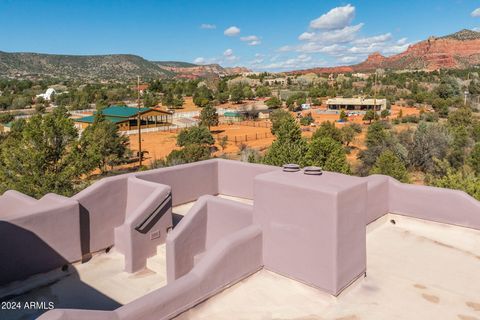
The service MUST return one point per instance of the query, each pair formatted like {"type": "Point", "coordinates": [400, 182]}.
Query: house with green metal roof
{"type": "Point", "coordinates": [126, 118]}
{"type": "Point", "coordinates": [231, 116]}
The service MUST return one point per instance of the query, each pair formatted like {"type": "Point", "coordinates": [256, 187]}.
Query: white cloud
{"type": "Point", "coordinates": [386, 48]}
{"type": "Point", "coordinates": [343, 41]}
{"type": "Point", "coordinates": [394, 49]}
{"type": "Point", "coordinates": [475, 13]}
{"type": "Point", "coordinates": [302, 61]}
{"type": "Point", "coordinates": [349, 59]}
{"type": "Point", "coordinates": [259, 58]}
{"type": "Point", "coordinates": [274, 58]}
{"type": "Point", "coordinates": [232, 31]}
{"type": "Point", "coordinates": [251, 40]}
{"type": "Point", "coordinates": [342, 35]}
{"type": "Point", "coordinates": [313, 47]}
{"type": "Point", "coordinates": [306, 36]}
{"type": "Point", "coordinates": [202, 60]}
{"type": "Point", "coordinates": [334, 35]}
{"type": "Point", "coordinates": [476, 29]}
{"type": "Point", "coordinates": [304, 58]}
{"type": "Point", "coordinates": [364, 49]}
{"type": "Point", "coordinates": [207, 26]}
{"type": "Point", "coordinates": [337, 18]}
{"type": "Point", "coordinates": [375, 39]}
{"type": "Point", "coordinates": [285, 48]}
{"type": "Point", "coordinates": [229, 56]}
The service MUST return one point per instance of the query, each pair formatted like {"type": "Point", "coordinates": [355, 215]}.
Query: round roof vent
{"type": "Point", "coordinates": [313, 171]}
{"type": "Point", "coordinates": [291, 167]}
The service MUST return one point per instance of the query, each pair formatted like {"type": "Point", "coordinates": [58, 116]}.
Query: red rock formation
{"type": "Point", "coordinates": [459, 50]}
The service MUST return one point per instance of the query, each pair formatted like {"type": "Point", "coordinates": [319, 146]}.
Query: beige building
{"type": "Point", "coordinates": [359, 104]}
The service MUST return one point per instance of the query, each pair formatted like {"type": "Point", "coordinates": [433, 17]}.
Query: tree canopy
{"type": "Point", "coordinates": [42, 155]}
{"type": "Point", "coordinates": [208, 116]}
{"type": "Point", "coordinates": [389, 164]}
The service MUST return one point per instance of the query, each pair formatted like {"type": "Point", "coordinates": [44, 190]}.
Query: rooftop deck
{"type": "Point", "coordinates": [421, 263]}
{"type": "Point", "coordinates": [99, 284]}
{"type": "Point", "coordinates": [410, 275]}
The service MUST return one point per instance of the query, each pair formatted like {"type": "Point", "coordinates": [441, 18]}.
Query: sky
{"type": "Point", "coordinates": [268, 35]}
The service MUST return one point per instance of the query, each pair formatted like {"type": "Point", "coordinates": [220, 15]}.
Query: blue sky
{"type": "Point", "coordinates": [262, 35]}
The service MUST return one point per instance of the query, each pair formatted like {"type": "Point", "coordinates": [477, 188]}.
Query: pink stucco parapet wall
{"type": "Point", "coordinates": [39, 235]}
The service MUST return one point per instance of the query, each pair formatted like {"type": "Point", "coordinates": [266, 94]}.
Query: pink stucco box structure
{"type": "Point", "coordinates": [313, 226]}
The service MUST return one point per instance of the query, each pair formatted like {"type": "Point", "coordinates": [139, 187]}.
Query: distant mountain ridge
{"type": "Point", "coordinates": [102, 67]}
{"type": "Point", "coordinates": [192, 71]}
{"type": "Point", "coordinates": [454, 51]}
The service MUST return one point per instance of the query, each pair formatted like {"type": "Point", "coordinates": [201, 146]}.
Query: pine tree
{"type": "Point", "coordinates": [289, 147]}
{"type": "Point", "coordinates": [209, 116]}
{"type": "Point", "coordinates": [369, 116]}
{"type": "Point", "coordinates": [389, 164]}
{"type": "Point", "coordinates": [474, 160]}
{"type": "Point", "coordinates": [195, 143]}
{"type": "Point", "coordinates": [328, 154]}
{"type": "Point", "coordinates": [102, 145]}
{"type": "Point", "coordinates": [42, 155]}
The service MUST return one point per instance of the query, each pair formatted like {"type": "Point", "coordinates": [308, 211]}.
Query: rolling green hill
{"type": "Point", "coordinates": [95, 67]}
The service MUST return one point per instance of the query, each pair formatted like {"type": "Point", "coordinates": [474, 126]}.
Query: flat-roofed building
{"type": "Point", "coordinates": [358, 104]}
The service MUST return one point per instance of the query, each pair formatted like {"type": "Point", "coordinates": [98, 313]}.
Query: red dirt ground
{"type": "Point", "coordinates": [160, 144]}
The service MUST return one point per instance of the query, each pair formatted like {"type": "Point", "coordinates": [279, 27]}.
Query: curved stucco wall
{"type": "Point", "coordinates": [207, 222]}
{"type": "Point", "coordinates": [143, 199]}
{"type": "Point", "coordinates": [233, 258]}
{"type": "Point", "coordinates": [102, 209]}
{"type": "Point", "coordinates": [13, 201]}
{"type": "Point", "coordinates": [228, 261]}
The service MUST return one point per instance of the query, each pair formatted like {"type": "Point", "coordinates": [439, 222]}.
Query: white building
{"type": "Point", "coordinates": [275, 81]}
{"type": "Point", "coordinates": [47, 95]}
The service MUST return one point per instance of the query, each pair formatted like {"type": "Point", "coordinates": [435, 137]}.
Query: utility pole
{"type": "Point", "coordinates": [375, 94]}
{"type": "Point", "coordinates": [139, 125]}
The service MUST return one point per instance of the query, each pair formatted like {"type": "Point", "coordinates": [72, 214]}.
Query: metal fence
{"type": "Point", "coordinates": [257, 124]}
{"type": "Point", "coordinates": [189, 114]}
{"type": "Point", "coordinates": [171, 129]}
{"type": "Point", "coordinates": [245, 137]}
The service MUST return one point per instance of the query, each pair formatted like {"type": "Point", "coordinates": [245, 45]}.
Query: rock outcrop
{"type": "Point", "coordinates": [455, 51]}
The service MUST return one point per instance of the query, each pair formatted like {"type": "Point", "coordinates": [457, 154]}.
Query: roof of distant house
{"type": "Point", "coordinates": [119, 113]}
{"type": "Point", "coordinates": [91, 119]}
{"type": "Point", "coordinates": [122, 111]}
{"type": "Point", "coordinates": [231, 114]}
{"type": "Point", "coordinates": [356, 101]}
